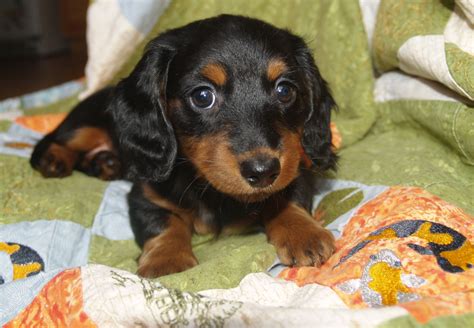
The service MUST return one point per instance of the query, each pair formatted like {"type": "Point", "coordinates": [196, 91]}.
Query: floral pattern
{"type": "Point", "coordinates": [430, 271]}
{"type": "Point", "coordinates": [59, 304]}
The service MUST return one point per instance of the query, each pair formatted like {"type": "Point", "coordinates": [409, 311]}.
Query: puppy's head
{"type": "Point", "coordinates": [240, 99]}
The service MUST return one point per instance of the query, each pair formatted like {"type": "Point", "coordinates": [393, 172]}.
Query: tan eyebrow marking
{"type": "Point", "coordinates": [276, 67]}
{"type": "Point", "coordinates": [216, 73]}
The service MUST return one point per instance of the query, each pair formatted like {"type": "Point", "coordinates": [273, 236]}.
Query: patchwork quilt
{"type": "Point", "coordinates": [401, 204]}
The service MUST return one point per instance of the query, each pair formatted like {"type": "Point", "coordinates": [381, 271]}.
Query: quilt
{"type": "Point", "coordinates": [401, 203]}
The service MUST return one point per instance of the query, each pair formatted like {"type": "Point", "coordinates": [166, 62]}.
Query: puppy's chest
{"type": "Point", "coordinates": [204, 220]}
{"type": "Point", "coordinates": [224, 217]}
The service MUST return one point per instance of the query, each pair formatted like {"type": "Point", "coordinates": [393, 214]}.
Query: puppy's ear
{"type": "Point", "coordinates": [146, 141]}
{"type": "Point", "coordinates": [317, 138]}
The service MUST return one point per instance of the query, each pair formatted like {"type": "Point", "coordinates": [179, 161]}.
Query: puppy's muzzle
{"type": "Point", "coordinates": [260, 171]}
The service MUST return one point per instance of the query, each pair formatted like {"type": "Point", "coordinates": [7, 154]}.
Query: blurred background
{"type": "Point", "coordinates": [42, 44]}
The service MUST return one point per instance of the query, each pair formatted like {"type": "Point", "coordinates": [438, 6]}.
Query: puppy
{"type": "Point", "coordinates": [222, 126]}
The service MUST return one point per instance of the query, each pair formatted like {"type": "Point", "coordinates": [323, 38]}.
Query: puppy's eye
{"type": "Point", "coordinates": [203, 98]}
{"type": "Point", "coordinates": [285, 92]}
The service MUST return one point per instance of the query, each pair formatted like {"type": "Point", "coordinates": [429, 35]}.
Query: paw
{"type": "Point", "coordinates": [310, 245]}
{"type": "Point", "coordinates": [51, 166]}
{"type": "Point", "coordinates": [106, 166]}
{"type": "Point", "coordinates": [156, 264]}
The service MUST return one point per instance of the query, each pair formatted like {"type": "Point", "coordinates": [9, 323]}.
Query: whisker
{"type": "Point", "coordinates": [181, 161]}
{"type": "Point", "coordinates": [208, 184]}
{"type": "Point", "coordinates": [185, 190]}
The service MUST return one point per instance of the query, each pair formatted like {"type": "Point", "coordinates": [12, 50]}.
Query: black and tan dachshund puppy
{"type": "Point", "coordinates": [222, 125]}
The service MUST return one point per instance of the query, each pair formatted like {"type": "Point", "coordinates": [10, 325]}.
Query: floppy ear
{"type": "Point", "coordinates": [317, 138]}
{"type": "Point", "coordinates": [146, 142]}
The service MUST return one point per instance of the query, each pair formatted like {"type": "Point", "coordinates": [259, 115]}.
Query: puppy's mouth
{"type": "Point", "coordinates": [249, 177]}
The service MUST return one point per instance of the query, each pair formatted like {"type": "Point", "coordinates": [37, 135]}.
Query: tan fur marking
{"type": "Point", "coordinates": [298, 238]}
{"type": "Point", "coordinates": [89, 138]}
{"type": "Point", "coordinates": [189, 216]}
{"type": "Point", "coordinates": [169, 252]}
{"type": "Point", "coordinates": [257, 151]}
{"type": "Point", "coordinates": [62, 153]}
{"type": "Point", "coordinates": [216, 73]}
{"type": "Point", "coordinates": [276, 67]}
{"type": "Point", "coordinates": [58, 156]}
{"type": "Point", "coordinates": [201, 228]}
{"type": "Point", "coordinates": [290, 158]}
{"type": "Point", "coordinates": [217, 164]}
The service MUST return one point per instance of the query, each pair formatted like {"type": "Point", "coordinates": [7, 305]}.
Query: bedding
{"type": "Point", "coordinates": [401, 203]}
{"type": "Point", "coordinates": [431, 40]}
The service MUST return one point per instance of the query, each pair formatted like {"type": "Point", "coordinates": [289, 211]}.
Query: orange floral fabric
{"type": "Point", "coordinates": [336, 136]}
{"type": "Point", "coordinates": [405, 247]}
{"type": "Point", "coordinates": [59, 304]}
{"type": "Point", "coordinates": [41, 123]}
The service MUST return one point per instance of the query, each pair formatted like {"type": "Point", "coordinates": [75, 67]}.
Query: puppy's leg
{"type": "Point", "coordinates": [164, 235]}
{"type": "Point", "coordinates": [78, 142]}
{"type": "Point", "coordinates": [87, 149]}
{"type": "Point", "coordinates": [52, 159]}
{"type": "Point", "coordinates": [299, 239]}
{"type": "Point", "coordinates": [103, 164]}
{"type": "Point", "coordinates": [169, 252]}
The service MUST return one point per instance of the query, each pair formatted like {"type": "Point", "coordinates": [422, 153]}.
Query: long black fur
{"type": "Point", "coordinates": [145, 133]}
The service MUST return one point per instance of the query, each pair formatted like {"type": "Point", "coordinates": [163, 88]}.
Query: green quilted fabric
{"type": "Point", "coordinates": [397, 21]}
{"type": "Point", "coordinates": [461, 66]}
{"type": "Point", "coordinates": [61, 106]}
{"type": "Point", "coordinates": [76, 198]}
{"type": "Point", "coordinates": [415, 143]}
{"type": "Point", "coordinates": [227, 260]}
{"type": "Point", "coordinates": [4, 125]}
{"type": "Point", "coordinates": [426, 39]}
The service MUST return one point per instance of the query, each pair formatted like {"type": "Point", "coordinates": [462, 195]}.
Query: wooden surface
{"type": "Point", "coordinates": [24, 75]}
{"type": "Point", "coordinates": [19, 76]}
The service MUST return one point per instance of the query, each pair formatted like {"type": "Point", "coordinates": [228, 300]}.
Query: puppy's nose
{"type": "Point", "coordinates": [260, 171]}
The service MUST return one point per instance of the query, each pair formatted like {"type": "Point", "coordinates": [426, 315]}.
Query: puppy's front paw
{"type": "Point", "coordinates": [298, 239]}
{"type": "Point", "coordinates": [156, 263]}
{"type": "Point", "coordinates": [313, 246]}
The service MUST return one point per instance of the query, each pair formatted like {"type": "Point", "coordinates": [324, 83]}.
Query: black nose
{"type": "Point", "coordinates": [260, 171]}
